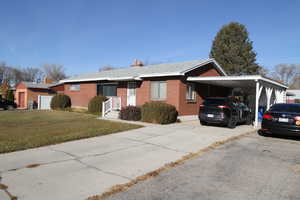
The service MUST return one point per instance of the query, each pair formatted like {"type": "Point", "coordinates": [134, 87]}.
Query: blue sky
{"type": "Point", "coordinates": [84, 35]}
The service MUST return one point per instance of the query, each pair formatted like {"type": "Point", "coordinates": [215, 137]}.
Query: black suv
{"type": "Point", "coordinates": [224, 111]}
{"type": "Point", "coordinates": [7, 105]}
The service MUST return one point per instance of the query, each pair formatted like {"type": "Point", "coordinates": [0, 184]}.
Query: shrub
{"type": "Point", "coordinates": [157, 112]}
{"type": "Point", "coordinates": [95, 104]}
{"type": "Point", "coordinates": [130, 113]}
{"type": "Point", "coordinates": [60, 102]}
{"type": "Point", "coordinates": [10, 96]}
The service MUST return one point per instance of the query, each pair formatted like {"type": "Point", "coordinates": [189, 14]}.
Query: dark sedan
{"type": "Point", "coordinates": [282, 119]}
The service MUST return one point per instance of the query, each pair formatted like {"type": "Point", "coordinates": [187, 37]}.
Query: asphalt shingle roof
{"type": "Point", "coordinates": [138, 72]}
{"type": "Point", "coordinates": [37, 85]}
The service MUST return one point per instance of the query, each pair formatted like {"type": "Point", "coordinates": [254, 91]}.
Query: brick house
{"type": "Point", "coordinates": [27, 93]}
{"type": "Point", "coordinates": [140, 84]}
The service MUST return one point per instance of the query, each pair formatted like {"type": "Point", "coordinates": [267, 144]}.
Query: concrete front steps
{"type": "Point", "coordinates": [112, 115]}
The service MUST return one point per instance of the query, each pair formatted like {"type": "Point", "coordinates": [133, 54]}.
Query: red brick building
{"type": "Point", "coordinates": [140, 84]}
{"type": "Point", "coordinates": [27, 92]}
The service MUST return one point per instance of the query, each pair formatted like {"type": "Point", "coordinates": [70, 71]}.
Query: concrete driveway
{"type": "Point", "coordinates": [250, 168]}
{"type": "Point", "coordinates": [79, 169]}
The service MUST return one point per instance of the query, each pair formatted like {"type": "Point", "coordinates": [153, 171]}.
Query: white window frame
{"type": "Point", "coordinates": [158, 92]}
{"type": "Point", "coordinates": [75, 87]}
{"type": "Point", "coordinates": [190, 92]}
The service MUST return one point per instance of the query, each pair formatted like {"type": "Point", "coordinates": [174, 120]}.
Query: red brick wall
{"type": "Point", "coordinates": [208, 70]}
{"type": "Point", "coordinates": [82, 97]}
{"type": "Point", "coordinates": [202, 90]}
{"type": "Point", "coordinates": [143, 91]}
{"type": "Point", "coordinates": [58, 88]}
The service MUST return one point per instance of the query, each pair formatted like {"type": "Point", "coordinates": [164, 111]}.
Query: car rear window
{"type": "Point", "coordinates": [214, 102]}
{"type": "Point", "coordinates": [285, 108]}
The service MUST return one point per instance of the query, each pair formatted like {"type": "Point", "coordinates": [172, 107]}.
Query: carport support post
{"type": "Point", "coordinates": [256, 103]}
{"type": "Point", "coordinates": [269, 95]}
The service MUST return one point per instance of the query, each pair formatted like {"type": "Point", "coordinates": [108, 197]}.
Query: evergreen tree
{"type": "Point", "coordinates": [233, 50]}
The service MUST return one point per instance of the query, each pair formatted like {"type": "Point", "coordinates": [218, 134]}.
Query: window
{"type": "Point", "coordinates": [107, 89]}
{"type": "Point", "coordinates": [190, 92]}
{"type": "Point", "coordinates": [75, 87]}
{"type": "Point", "coordinates": [158, 90]}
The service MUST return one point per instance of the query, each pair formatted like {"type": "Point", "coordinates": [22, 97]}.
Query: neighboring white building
{"type": "Point", "coordinates": [292, 95]}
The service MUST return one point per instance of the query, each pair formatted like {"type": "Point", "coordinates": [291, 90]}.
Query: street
{"type": "Point", "coordinates": [252, 167]}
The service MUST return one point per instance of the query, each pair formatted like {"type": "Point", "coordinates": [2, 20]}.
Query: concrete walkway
{"type": "Point", "coordinates": [79, 169]}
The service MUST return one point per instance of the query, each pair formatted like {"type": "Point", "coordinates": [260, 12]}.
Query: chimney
{"type": "Point", "coordinates": [137, 63]}
{"type": "Point", "coordinates": [47, 80]}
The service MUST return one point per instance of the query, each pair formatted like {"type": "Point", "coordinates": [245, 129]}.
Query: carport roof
{"type": "Point", "coordinates": [235, 81]}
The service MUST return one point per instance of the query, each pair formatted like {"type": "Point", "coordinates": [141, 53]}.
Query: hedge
{"type": "Point", "coordinates": [60, 102]}
{"type": "Point", "coordinates": [95, 104]}
{"type": "Point", "coordinates": [132, 113]}
{"type": "Point", "coordinates": [157, 112]}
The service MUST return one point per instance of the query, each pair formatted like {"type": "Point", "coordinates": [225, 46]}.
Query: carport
{"type": "Point", "coordinates": [266, 91]}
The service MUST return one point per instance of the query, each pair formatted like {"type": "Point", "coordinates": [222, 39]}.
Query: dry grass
{"type": "Point", "coordinates": [3, 187]}
{"type": "Point", "coordinates": [28, 129]}
{"type": "Point", "coordinates": [33, 165]}
{"type": "Point", "coordinates": [122, 187]}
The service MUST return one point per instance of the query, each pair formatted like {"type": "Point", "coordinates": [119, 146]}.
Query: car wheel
{"type": "Point", "coordinates": [263, 133]}
{"type": "Point", "coordinates": [203, 123]}
{"type": "Point", "coordinates": [232, 123]}
{"type": "Point", "coordinates": [10, 107]}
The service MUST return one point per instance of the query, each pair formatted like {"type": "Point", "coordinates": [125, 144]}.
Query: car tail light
{"type": "Point", "coordinates": [267, 116]}
{"type": "Point", "coordinates": [297, 118]}
{"type": "Point", "coordinates": [223, 106]}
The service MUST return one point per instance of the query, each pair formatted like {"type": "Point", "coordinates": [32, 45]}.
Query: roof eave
{"type": "Point", "coordinates": [99, 79]}
{"type": "Point", "coordinates": [161, 75]}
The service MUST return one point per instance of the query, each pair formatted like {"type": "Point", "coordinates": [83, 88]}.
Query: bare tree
{"type": "Point", "coordinates": [106, 68]}
{"type": "Point", "coordinates": [4, 72]}
{"type": "Point", "coordinates": [32, 74]}
{"type": "Point", "coordinates": [11, 75]}
{"type": "Point", "coordinates": [54, 72]}
{"type": "Point", "coordinates": [263, 71]}
{"type": "Point", "coordinates": [286, 73]}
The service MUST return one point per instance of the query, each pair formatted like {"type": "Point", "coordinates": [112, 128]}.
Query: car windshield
{"type": "Point", "coordinates": [295, 108]}
{"type": "Point", "coordinates": [214, 102]}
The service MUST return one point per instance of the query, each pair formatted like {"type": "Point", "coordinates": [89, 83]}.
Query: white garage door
{"type": "Point", "coordinates": [44, 102]}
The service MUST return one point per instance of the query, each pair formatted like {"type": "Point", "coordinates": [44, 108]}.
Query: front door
{"type": "Point", "coordinates": [21, 99]}
{"type": "Point", "coordinates": [131, 94]}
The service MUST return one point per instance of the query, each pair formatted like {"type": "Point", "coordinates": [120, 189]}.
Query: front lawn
{"type": "Point", "coordinates": [27, 129]}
